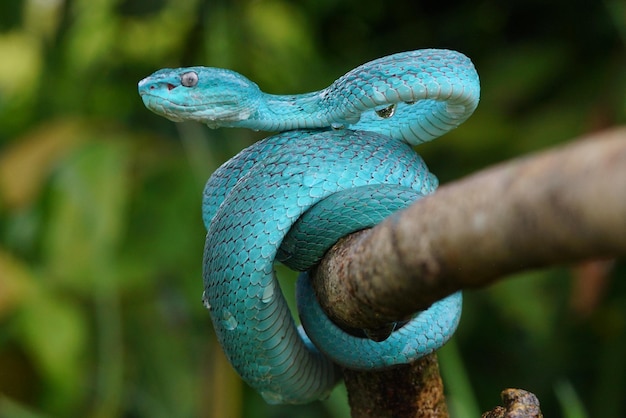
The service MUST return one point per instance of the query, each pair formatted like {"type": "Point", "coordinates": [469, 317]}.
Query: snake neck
{"type": "Point", "coordinates": [414, 97]}
{"type": "Point", "coordinates": [288, 112]}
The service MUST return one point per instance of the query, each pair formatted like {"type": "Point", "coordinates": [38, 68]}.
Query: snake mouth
{"type": "Point", "coordinates": [181, 111]}
{"type": "Point", "coordinates": [165, 107]}
{"type": "Point", "coordinates": [214, 114]}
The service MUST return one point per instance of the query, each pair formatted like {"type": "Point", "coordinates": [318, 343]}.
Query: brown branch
{"type": "Point", "coordinates": [561, 206]}
{"type": "Point", "coordinates": [408, 391]}
{"type": "Point", "coordinates": [564, 205]}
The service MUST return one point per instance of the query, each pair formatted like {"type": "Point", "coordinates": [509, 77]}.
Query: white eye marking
{"type": "Point", "coordinates": [189, 79]}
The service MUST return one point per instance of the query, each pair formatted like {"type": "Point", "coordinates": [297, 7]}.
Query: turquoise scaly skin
{"type": "Point", "coordinates": [341, 163]}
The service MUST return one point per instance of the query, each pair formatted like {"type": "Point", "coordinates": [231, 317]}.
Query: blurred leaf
{"type": "Point", "coordinates": [26, 165]}
{"type": "Point", "coordinates": [42, 17]}
{"type": "Point", "coordinates": [534, 66]}
{"type": "Point", "coordinates": [88, 201]}
{"type": "Point", "coordinates": [16, 283]}
{"type": "Point", "coordinates": [157, 38]}
{"type": "Point", "coordinates": [20, 70]}
{"type": "Point", "coordinates": [92, 33]}
{"type": "Point", "coordinates": [524, 301]}
{"type": "Point", "coordinates": [461, 399]}
{"type": "Point", "coordinates": [54, 333]}
{"type": "Point", "coordinates": [282, 45]}
{"type": "Point", "coordinates": [11, 409]}
{"type": "Point", "coordinates": [20, 66]}
{"type": "Point", "coordinates": [11, 15]}
{"type": "Point", "coordinates": [569, 400]}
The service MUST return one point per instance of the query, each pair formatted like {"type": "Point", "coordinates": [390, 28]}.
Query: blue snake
{"type": "Point", "coordinates": [342, 161]}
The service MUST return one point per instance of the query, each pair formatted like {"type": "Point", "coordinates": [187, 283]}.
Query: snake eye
{"type": "Point", "coordinates": [189, 79]}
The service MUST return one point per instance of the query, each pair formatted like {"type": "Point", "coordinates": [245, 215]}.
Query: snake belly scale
{"type": "Point", "coordinates": [342, 161]}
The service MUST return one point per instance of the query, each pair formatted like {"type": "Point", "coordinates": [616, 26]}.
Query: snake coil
{"type": "Point", "coordinates": [342, 162]}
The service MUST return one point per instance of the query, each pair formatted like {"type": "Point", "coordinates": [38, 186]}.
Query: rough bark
{"type": "Point", "coordinates": [560, 206]}
{"type": "Point", "coordinates": [407, 391]}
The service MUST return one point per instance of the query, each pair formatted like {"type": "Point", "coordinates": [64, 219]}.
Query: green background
{"type": "Point", "coordinates": [100, 230]}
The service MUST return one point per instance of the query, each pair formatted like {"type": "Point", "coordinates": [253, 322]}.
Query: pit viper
{"type": "Point", "coordinates": [341, 160]}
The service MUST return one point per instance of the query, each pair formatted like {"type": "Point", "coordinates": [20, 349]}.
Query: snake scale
{"type": "Point", "coordinates": [341, 161]}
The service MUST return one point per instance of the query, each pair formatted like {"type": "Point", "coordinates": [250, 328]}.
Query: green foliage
{"type": "Point", "coordinates": [100, 230]}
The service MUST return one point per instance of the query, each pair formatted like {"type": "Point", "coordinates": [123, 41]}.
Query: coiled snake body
{"type": "Point", "coordinates": [342, 162]}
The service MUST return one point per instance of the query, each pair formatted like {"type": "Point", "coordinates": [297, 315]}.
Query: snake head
{"type": "Point", "coordinates": [214, 96]}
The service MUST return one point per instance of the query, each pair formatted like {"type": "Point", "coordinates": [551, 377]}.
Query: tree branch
{"type": "Point", "coordinates": [560, 206]}
{"type": "Point", "coordinates": [408, 391]}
